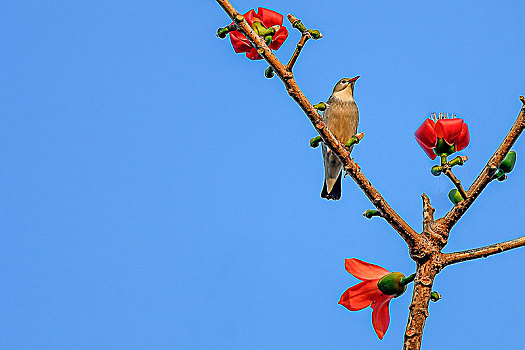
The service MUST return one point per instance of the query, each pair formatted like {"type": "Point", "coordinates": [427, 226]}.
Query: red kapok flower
{"type": "Point", "coordinates": [377, 288]}
{"type": "Point", "coordinates": [269, 19]}
{"type": "Point", "coordinates": [444, 136]}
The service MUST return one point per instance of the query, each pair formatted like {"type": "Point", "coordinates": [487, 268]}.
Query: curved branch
{"type": "Point", "coordinates": [410, 236]}
{"type": "Point", "coordinates": [483, 179]}
{"type": "Point", "coordinates": [483, 252]}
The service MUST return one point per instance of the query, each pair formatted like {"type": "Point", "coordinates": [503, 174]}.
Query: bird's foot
{"type": "Point", "coordinates": [355, 139]}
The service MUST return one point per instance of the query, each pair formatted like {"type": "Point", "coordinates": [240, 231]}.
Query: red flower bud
{"type": "Point", "coordinates": [268, 18]}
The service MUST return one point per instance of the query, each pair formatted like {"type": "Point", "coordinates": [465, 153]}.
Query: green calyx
{"type": "Point", "coordinates": [442, 147]}
{"type": "Point", "coordinates": [394, 284]}
{"type": "Point", "coordinates": [261, 30]}
{"type": "Point", "coordinates": [508, 163]}
{"type": "Point", "coordinates": [455, 196]}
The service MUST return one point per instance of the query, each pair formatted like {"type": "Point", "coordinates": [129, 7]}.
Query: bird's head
{"type": "Point", "coordinates": [344, 89]}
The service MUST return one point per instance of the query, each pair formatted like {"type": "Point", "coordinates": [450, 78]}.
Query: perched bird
{"type": "Point", "coordinates": [342, 117]}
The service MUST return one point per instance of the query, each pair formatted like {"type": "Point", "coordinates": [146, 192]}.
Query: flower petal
{"type": "Point", "coordinates": [381, 315]}
{"type": "Point", "coordinates": [239, 42]}
{"type": "Point", "coordinates": [363, 270]}
{"type": "Point", "coordinates": [360, 296]}
{"type": "Point", "coordinates": [253, 54]}
{"type": "Point", "coordinates": [428, 151]}
{"type": "Point", "coordinates": [269, 18]}
{"type": "Point", "coordinates": [449, 129]}
{"type": "Point", "coordinates": [463, 139]}
{"type": "Point", "coordinates": [251, 16]}
{"type": "Point", "coordinates": [426, 134]}
{"type": "Point", "coordinates": [279, 38]}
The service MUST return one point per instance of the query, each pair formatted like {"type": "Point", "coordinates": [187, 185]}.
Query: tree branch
{"type": "Point", "coordinates": [483, 179]}
{"type": "Point", "coordinates": [305, 36]}
{"type": "Point", "coordinates": [448, 172]}
{"type": "Point", "coordinates": [483, 252]}
{"type": "Point", "coordinates": [410, 236]}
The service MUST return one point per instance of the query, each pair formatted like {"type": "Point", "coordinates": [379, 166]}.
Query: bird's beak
{"type": "Point", "coordinates": [354, 79]}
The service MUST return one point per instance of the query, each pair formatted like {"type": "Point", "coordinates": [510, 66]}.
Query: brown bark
{"type": "Point", "coordinates": [425, 248]}
{"type": "Point", "coordinates": [485, 177]}
{"type": "Point", "coordinates": [483, 252]}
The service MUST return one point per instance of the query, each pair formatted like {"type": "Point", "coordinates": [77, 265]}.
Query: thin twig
{"type": "Point", "coordinates": [298, 49]}
{"type": "Point", "coordinates": [448, 172]}
{"type": "Point", "coordinates": [483, 179]}
{"type": "Point", "coordinates": [305, 36]}
{"type": "Point", "coordinates": [410, 236]}
{"type": "Point", "coordinates": [483, 252]}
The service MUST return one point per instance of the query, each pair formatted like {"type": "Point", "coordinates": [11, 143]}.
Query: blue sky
{"type": "Point", "coordinates": [159, 193]}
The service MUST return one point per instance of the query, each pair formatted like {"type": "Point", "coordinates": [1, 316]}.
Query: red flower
{"type": "Point", "coordinates": [444, 136]}
{"type": "Point", "coordinates": [268, 18]}
{"type": "Point", "coordinates": [367, 293]}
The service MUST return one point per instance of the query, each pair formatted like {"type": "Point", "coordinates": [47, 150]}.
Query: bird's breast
{"type": "Point", "coordinates": [342, 120]}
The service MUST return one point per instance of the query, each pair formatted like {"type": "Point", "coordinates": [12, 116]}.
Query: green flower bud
{"type": "Point", "coordinates": [321, 106]}
{"type": "Point", "coordinates": [371, 213]}
{"type": "Point", "coordinates": [435, 296]}
{"type": "Point", "coordinates": [390, 284]}
{"type": "Point", "coordinates": [269, 73]}
{"type": "Point", "coordinates": [314, 142]}
{"type": "Point", "coordinates": [455, 196]}
{"type": "Point", "coordinates": [315, 34]}
{"type": "Point", "coordinates": [436, 170]}
{"type": "Point", "coordinates": [222, 32]}
{"type": "Point", "coordinates": [508, 163]}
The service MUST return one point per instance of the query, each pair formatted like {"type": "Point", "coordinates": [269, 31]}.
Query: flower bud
{"type": "Point", "coordinates": [435, 296]}
{"type": "Point", "coordinates": [269, 73]}
{"type": "Point", "coordinates": [436, 170]}
{"type": "Point", "coordinates": [508, 163]}
{"type": "Point", "coordinates": [390, 284]}
{"type": "Point", "coordinates": [455, 196]}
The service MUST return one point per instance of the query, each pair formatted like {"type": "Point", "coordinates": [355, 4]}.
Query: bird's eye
{"type": "Point", "coordinates": [343, 81]}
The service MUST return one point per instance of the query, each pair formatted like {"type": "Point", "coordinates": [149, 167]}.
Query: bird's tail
{"type": "Point", "coordinates": [335, 194]}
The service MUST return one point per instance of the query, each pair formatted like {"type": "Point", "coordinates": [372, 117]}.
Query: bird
{"type": "Point", "coordinates": [341, 116]}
